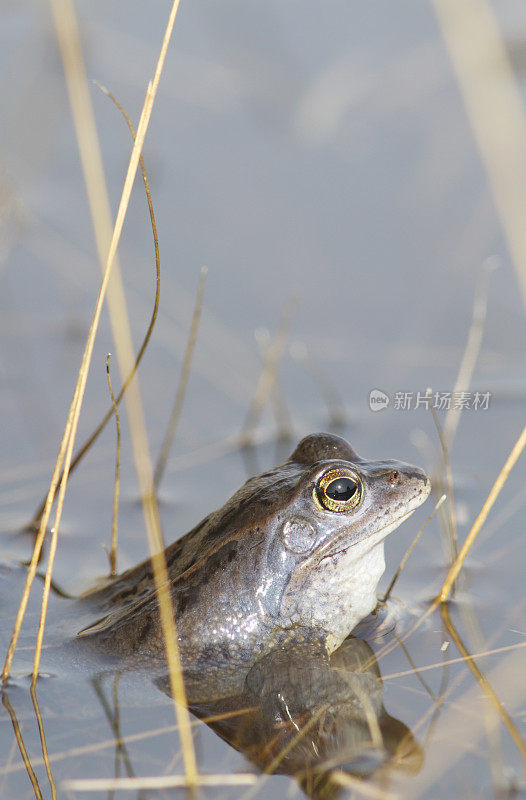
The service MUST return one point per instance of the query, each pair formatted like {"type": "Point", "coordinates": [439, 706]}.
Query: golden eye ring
{"type": "Point", "coordinates": [338, 490]}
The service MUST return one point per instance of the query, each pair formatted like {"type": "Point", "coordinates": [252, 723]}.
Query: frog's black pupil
{"type": "Point", "coordinates": [341, 489]}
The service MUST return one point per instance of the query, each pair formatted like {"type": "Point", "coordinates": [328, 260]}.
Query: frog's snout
{"type": "Point", "coordinates": [399, 475]}
{"type": "Point", "coordinates": [427, 485]}
{"type": "Point", "coordinates": [396, 478]}
{"type": "Point", "coordinates": [422, 483]}
{"type": "Point", "coordinates": [409, 481]}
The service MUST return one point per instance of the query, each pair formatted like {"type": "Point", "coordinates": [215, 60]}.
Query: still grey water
{"type": "Point", "coordinates": [317, 151]}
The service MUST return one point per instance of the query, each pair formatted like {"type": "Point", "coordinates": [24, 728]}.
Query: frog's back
{"type": "Point", "coordinates": [213, 571]}
{"type": "Point", "coordinates": [197, 553]}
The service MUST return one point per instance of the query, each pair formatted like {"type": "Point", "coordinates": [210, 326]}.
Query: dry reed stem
{"type": "Point", "coordinates": [151, 515]}
{"type": "Point", "coordinates": [453, 538]}
{"type": "Point", "coordinates": [485, 685]}
{"type": "Point", "coordinates": [410, 549]}
{"type": "Point", "coordinates": [8, 764]}
{"type": "Point", "coordinates": [69, 41]}
{"type": "Point", "coordinates": [465, 372]}
{"type": "Point", "coordinates": [183, 382]}
{"type": "Point", "coordinates": [131, 738]}
{"type": "Point", "coordinates": [274, 764]}
{"type": "Point", "coordinates": [267, 378]}
{"type": "Point", "coordinates": [494, 108]}
{"type": "Point", "coordinates": [115, 514]}
{"type": "Point", "coordinates": [281, 413]}
{"type": "Point", "coordinates": [22, 747]}
{"type": "Point", "coordinates": [481, 518]}
{"type": "Point", "coordinates": [37, 548]}
{"type": "Point", "coordinates": [90, 749]}
{"type": "Point", "coordinates": [368, 709]}
{"type": "Point", "coordinates": [279, 404]}
{"type": "Point", "coordinates": [113, 717]}
{"type": "Point", "coordinates": [415, 670]}
{"type": "Point", "coordinates": [68, 36]}
{"type": "Point", "coordinates": [388, 648]}
{"type": "Point", "coordinates": [76, 404]}
{"type": "Point", "coordinates": [360, 787]}
{"type": "Point", "coordinates": [335, 405]}
{"type": "Point", "coordinates": [83, 449]}
{"type": "Point", "coordinates": [140, 451]}
{"type": "Point", "coordinates": [471, 351]}
{"type": "Point", "coordinates": [43, 743]}
{"type": "Point", "coordinates": [156, 782]}
{"type": "Point", "coordinates": [455, 683]}
{"type": "Point", "coordinates": [505, 514]}
{"type": "Point", "coordinates": [449, 661]}
{"type": "Point", "coordinates": [457, 732]}
{"type": "Point", "coordinates": [460, 676]}
{"type": "Point", "coordinates": [477, 641]}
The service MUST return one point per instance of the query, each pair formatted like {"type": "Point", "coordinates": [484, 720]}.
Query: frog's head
{"type": "Point", "coordinates": [324, 554]}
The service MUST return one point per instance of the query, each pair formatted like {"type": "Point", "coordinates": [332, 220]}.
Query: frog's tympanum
{"type": "Point", "coordinates": [296, 553]}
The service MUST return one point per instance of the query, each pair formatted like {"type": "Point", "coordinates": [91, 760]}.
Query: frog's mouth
{"type": "Point", "coordinates": [379, 534]}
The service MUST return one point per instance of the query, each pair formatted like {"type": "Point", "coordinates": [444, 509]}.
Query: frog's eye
{"type": "Point", "coordinates": [338, 490]}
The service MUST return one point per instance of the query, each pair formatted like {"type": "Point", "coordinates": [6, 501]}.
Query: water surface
{"type": "Point", "coordinates": [312, 150]}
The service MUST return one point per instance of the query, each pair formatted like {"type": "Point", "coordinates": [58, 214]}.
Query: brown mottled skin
{"type": "Point", "coordinates": [269, 565]}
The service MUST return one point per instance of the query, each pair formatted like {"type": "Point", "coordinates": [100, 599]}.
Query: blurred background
{"type": "Point", "coordinates": [320, 152]}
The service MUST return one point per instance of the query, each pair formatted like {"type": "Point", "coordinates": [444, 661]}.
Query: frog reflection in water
{"type": "Point", "coordinates": [297, 552]}
{"type": "Point", "coordinates": [316, 718]}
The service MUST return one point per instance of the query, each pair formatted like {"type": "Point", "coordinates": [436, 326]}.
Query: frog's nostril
{"type": "Point", "coordinates": [393, 477]}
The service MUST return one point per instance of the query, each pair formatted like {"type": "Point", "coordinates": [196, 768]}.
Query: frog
{"type": "Point", "coordinates": [296, 553]}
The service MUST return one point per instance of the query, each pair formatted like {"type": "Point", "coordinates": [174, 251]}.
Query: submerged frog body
{"type": "Point", "coordinates": [298, 550]}
{"type": "Point", "coordinates": [288, 689]}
